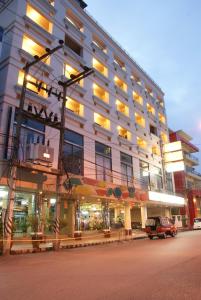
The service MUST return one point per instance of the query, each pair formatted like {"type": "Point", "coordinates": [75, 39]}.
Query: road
{"type": "Point", "coordinates": [133, 270]}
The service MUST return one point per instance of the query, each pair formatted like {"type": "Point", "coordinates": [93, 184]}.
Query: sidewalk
{"type": "Point", "coordinates": [22, 247]}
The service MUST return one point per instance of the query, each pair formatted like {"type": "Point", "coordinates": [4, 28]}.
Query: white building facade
{"type": "Point", "coordinates": [115, 124]}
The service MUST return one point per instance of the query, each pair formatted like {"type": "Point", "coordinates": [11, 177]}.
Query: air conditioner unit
{"type": "Point", "coordinates": [40, 154]}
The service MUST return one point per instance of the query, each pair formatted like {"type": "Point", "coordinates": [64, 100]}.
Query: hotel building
{"type": "Point", "coordinates": [115, 124]}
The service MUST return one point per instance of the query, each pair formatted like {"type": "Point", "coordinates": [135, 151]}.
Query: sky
{"type": "Point", "coordinates": [164, 38]}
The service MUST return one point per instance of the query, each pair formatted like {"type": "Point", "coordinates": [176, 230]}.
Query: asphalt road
{"type": "Point", "coordinates": [140, 269]}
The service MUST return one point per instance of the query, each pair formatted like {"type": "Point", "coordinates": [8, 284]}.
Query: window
{"type": "Point", "coordinates": [144, 173]}
{"type": "Point", "coordinates": [124, 133]}
{"type": "Point", "coordinates": [121, 107]}
{"type": "Point", "coordinates": [141, 143]}
{"type": "Point", "coordinates": [102, 121]}
{"type": "Point", "coordinates": [126, 169]}
{"type": "Point", "coordinates": [68, 71]}
{"type": "Point", "coordinates": [150, 109]}
{"type": "Point", "coordinates": [100, 44]}
{"type": "Point", "coordinates": [119, 63]}
{"type": "Point", "coordinates": [103, 162]}
{"type": "Point", "coordinates": [75, 106]}
{"type": "Point", "coordinates": [73, 45]}
{"type": "Point", "coordinates": [99, 92]}
{"type": "Point", "coordinates": [164, 137]}
{"type": "Point", "coordinates": [156, 181]}
{"type": "Point", "coordinates": [169, 182]}
{"type": "Point", "coordinates": [156, 150]}
{"type": "Point", "coordinates": [73, 152]}
{"type": "Point", "coordinates": [153, 129]}
{"type": "Point", "coordinates": [136, 79]}
{"type": "Point", "coordinates": [39, 19]}
{"type": "Point", "coordinates": [120, 83]}
{"type": "Point", "coordinates": [33, 48]}
{"type": "Point", "coordinates": [74, 20]}
{"type": "Point", "coordinates": [137, 98]}
{"type": "Point", "coordinates": [30, 86]}
{"type": "Point", "coordinates": [101, 68]}
{"type": "Point", "coordinates": [139, 120]}
{"type": "Point", "coordinates": [161, 118]}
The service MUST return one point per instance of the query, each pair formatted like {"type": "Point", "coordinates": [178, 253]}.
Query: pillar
{"type": "Point", "coordinates": [127, 221]}
{"type": "Point", "coordinates": [71, 218]}
{"type": "Point", "coordinates": [143, 215]}
{"type": "Point", "coordinates": [116, 214]}
{"type": "Point", "coordinates": [167, 212]}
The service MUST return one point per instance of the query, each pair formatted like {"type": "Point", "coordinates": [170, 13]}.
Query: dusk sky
{"type": "Point", "coordinates": [164, 38]}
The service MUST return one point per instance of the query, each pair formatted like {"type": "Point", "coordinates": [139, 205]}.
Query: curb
{"type": "Point", "coordinates": [64, 247]}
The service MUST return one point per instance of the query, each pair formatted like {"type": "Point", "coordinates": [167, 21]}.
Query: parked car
{"type": "Point", "coordinates": [160, 227]}
{"type": "Point", "coordinates": [197, 223]}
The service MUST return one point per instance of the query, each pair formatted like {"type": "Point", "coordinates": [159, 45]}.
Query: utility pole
{"type": "Point", "coordinates": [15, 155]}
{"type": "Point", "coordinates": [74, 79]}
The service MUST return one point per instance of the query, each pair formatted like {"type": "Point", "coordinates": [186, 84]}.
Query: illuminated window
{"type": "Point", "coordinates": [39, 19]}
{"type": "Point", "coordinates": [98, 43]}
{"type": "Point", "coordinates": [137, 98]}
{"type": "Point", "coordinates": [100, 67]}
{"type": "Point", "coordinates": [139, 120]}
{"type": "Point", "coordinates": [155, 150]}
{"type": "Point", "coordinates": [141, 143]}
{"type": "Point", "coordinates": [74, 21]}
{"type": "Point", "coordinates": [136, 79]}
{"type": "Point", "coordinates": [124, 133]}
{"type": "Point", "coordinates": [75, 106]}
{"type": "Point", "coordinates": [68, 70]}
{"type": "Point", "coordinates": [102, 121]}
{"type": "Point", "coordinates": [118, 62]}
{"type": "Point", "coordinates": [122, 108]}
{"type": "Point", "coordinates": [161, 118]}
{"type": "Point", "coordinates": [100, 93]}
{"type": "Point", "coordinates": [30, 86]}
{"type": "Point", "coordinates": [120, 83]}
{"type": "Point", "coordinates": [164, 137]}
{"type": "Point", "coordinates": [150, 109]}
{"type": "Point", "coordinates": [33, 48]}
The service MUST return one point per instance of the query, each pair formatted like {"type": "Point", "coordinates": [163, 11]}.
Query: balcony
{"type": "Point", "coordinates": [121, 92]}
{"type": "Point", "coordinates": [48, 5]}
{"type": "Point", "coordinates": [98, 101]}
{"type": "Point", "coordinates": [123, 117]}
{"type": "Point", "coordinates": [193, 173]}
{"type": "Point", "coordinates": [74, 56]}
{"type": "Point", "coordinates": [33, 96]}
{"type": "Point", "coordinates": [101, 77]}
{"type": "Point", "coordinates": [124, 141]}
{"type": "Point", "coordinates": [75, 87]}
{"type": "Point", "coordinates": [120, 70]}
{"type": "Point", "coordinates": [193, 159]}
{"type": "Point", "coordinates": [140, 128]}
{"type": "Point", "coordinates": [102, 130]}
{"type": "Point", "coordinates": [29, 23]}
{"type": "Point", "coordinates": [152, 116]}
{"type": "Point", "coordinates": [74, 116]}
{"type": "Point", "coordinates": [76, 31]}
{"type": "Point", "coordinates": [43, 67]}
{"type": "Point", "coordinates": [100, 52]}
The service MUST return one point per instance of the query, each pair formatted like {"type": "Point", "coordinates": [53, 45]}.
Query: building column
{"type": "Point", "coordinates": [167, 212]}
{"type": "Point", "coordinates": [116, 214]}
{"type": "Point", "coordinates": [127, 221]}
{"type": "Point", "coordinates": [143, 215]}
{"type": "Point", "coordinates": [71, 218]}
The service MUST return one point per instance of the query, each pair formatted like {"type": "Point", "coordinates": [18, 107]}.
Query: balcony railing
{"type": "Point", "coordinates": [192, 171]}
{"type": "Point", "coordinates": [192, 157]}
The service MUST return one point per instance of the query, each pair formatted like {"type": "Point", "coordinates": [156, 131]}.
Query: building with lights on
{"type": "Point", "coordinates": [115, 124]}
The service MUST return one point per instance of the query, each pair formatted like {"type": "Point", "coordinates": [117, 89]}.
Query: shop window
{"type": "Point", "coordinates": [156, 180]}
{"type": "Point", "coordinates": [140, 120]}
{"type": "Point", "coordinates": [122, 132]}
{"type": "Point", "coordinates": [102, 121]}
{"type": "Point", "coordinates": [137, 98]}
{"type": "Point", "coordinates": [39, 19]}
{"type": "Point", "coordinates": [120, 84]}
{"type": "Point", "coordinates": [34, 48]}
{"type": "Point", "coordinates": [73, 45]}
{"type": "Point", "coordinates": [101, 68]}
{"type": "Point", "coordinates": [121, 107]}
{"type": "Point", "coordinates": [75, 106]}
{"type": "Point", "coordinates": [31, 86]}
{"type": "Point", "coordinates": [100, 92]}
{"type": "Point", "coordinates": [150, 109]}
{"type": "Point", "coordinates": [144, 173]}
{"type": "Point", "coordinates": [73, 152]}
{"type": "Point", "coordinates": [103, 162]}
{"type": "Point", "coordinates": [126, 169]}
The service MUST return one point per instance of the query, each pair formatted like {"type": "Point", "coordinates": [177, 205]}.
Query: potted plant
{"type": "Point", "coordinates": [36, 235]}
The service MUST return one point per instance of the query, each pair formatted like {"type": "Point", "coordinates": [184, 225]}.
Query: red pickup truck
{"type": "Point", "coordinates": [160, 227]}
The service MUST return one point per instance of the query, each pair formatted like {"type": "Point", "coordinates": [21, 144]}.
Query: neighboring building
{"type": "Point", "coordinates": [115, 123]}
{"type": "Point", "coordinates": [188, 181]}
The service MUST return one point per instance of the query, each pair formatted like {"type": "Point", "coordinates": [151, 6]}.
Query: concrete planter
{"type": "Point", "coordinates": [128, 231]}
{"type": "Point", "coordinates": [78, 235]}
{"type": "Point", "coordinates": [107, 233]}
{"type": "Point", "coordinates": [37, 238]}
